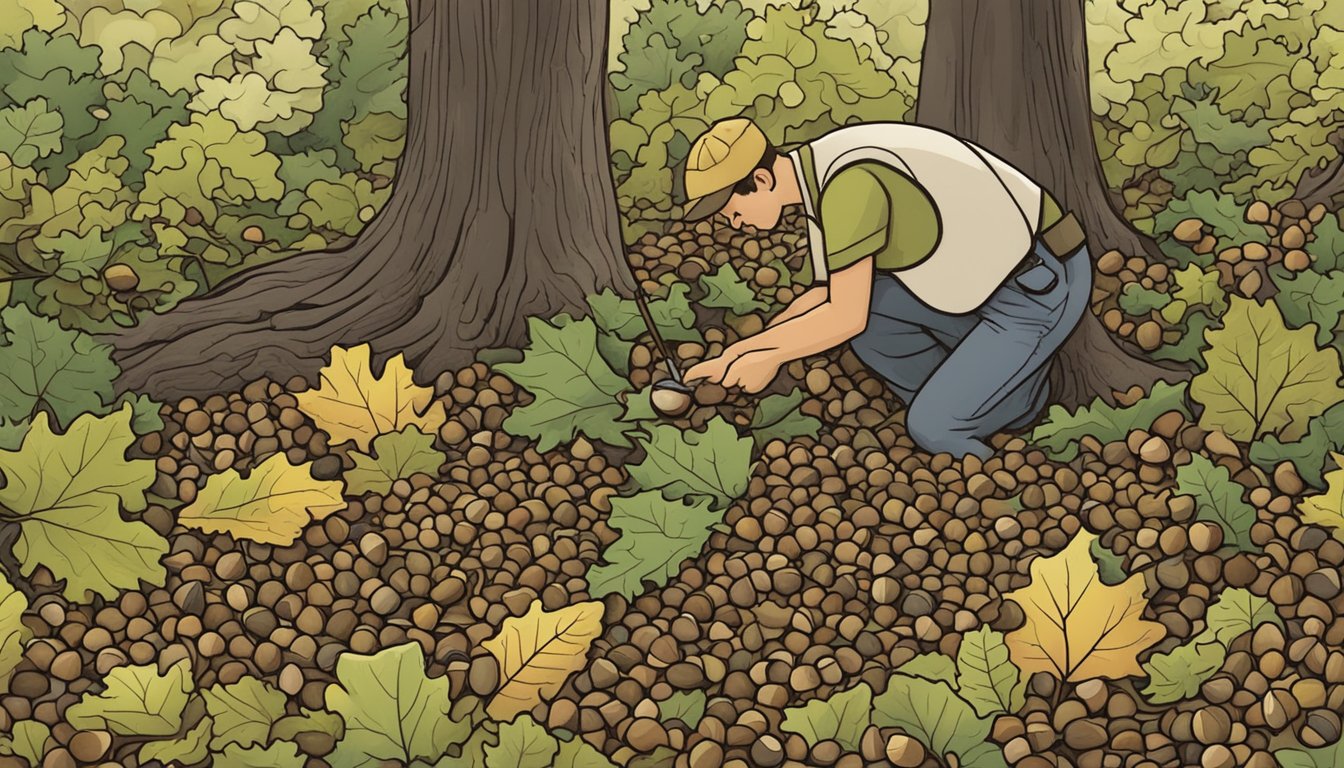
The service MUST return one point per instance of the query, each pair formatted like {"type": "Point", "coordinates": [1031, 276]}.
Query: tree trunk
{"type": "Point", "coordinates": [1012, 76]}
{"type": "Point", "coordinates": [503, 207]}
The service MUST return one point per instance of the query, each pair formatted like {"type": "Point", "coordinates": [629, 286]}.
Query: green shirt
{"type": "Point", "coordinates": [872, 209]}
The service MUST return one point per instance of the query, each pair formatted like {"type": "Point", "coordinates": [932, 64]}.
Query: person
{"type": "Point", "coordinates": [951, 274]}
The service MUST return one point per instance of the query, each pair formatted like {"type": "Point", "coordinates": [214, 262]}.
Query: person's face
{"type": "Point", "coordinates": [761, 209]}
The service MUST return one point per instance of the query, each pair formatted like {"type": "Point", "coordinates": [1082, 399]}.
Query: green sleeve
{"type": "Point", "coordinates": [855, 217]}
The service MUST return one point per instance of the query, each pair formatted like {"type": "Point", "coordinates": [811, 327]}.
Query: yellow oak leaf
{"type": "Point", "coordinates": [351, 403]}
{"type": "Point", "coordinates": [1327, 509]}
{"type": "Point", "coordinates": [1078, 628]}
{"type": "Point", "coordinates": [537, 651]}
{"type": "Point", "coordinates": [271, 505]}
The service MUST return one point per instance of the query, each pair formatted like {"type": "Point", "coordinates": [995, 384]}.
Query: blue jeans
{"type": "Point", "coordinates": [965, 377]}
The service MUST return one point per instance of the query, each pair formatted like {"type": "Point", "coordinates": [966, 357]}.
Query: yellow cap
{"type": "Point", "coordinates": [720, 157]}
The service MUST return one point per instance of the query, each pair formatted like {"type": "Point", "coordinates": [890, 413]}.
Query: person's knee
{"type": "Point", "coordinates": [936, 429]}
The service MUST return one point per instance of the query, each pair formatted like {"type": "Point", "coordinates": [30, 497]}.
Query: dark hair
{"type": "Point", "coordinates": [748, 184]}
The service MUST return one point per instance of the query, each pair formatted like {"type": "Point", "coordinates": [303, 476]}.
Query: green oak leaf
{"type": "Point", "coordinates": [1237, 612]}
{"type": "Point", "coordinates": [392, 710]}
{"type": "Point", "coordinates": [620, 316]}
{"type": "Point", "coordinates": [30, 131]}
{"type": "Point", "coordinates": [1191, 346]}
{"type": "Point", "coordinates": [577, 753]}
{"type": "Point", "coordinates": [1110, 566]}
{"type": "Point", "coordinates": [1330, 756]}
{"type": "Point", "coordinates": [1178, 674]}
{"type": "Point", "coordinates": [842, 716]}
{"type": "Point", "coordinates": [289, 727]}
{"type": "Point", "coordinates": [43, 364]}
{"type": "Point", "coordinates": [189, 749]}
{"type": "Point", "coordinates": [986, 677]}
{"type": "Point", "coordinates": [13, 633]}
{"type": "Point", "coordinates": [686, 706]}
{"type": "Point", "coordinates": [931, 712]}
{"type": "Point", "coordinates": [934, 667]}
{"type": "Point", "coordinates": [281, 754]}
{"type": "Point", "coordinates": [1138, 301]}
{"type": "Point", "coordinates": [1263, 378]}
{"type": "Point", "coordinates": [66, 492]}
{"type": "Point", "coordinates": [1060, 431]}
{"type": "Point", "coordinates": [136, 701]}
{"type": "Point", "coordinates": [725, 289]}
{"type": "Point", "coordinates": [1310, 298]}
{"type": "Point", "coordinates": [574, 388]}
{"type": "Point", "coordinates": [1325, 433]}
{"type": "Point", "coordinates": [1218, 499]}
{"type": "Point", "coordinates": [715, 462]}
{"type": "Point", "coordinates": [26, 739]}
{"type": "Point", "coordinates": [397, 456]}
{"type": "Point", "coordinates": [243, 712]}
{"type": "Point", "coordinates": [639, 406]}
{"type": "Point", "coordinates": [1195, 287]}
{"type": "Point", "coordinates": [656, 536]}
{"type": "Point", "coordinates": [777, 418]}
{"type": "Point", "coordinates": [522, 744]}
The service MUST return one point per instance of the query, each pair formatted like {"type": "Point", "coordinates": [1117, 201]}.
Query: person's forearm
{"type": "Point", "coordinates": [817, 330]}
{"type": "Point", "coordinates": [808, 301]}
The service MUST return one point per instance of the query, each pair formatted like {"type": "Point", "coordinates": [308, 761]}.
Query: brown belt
{"type": "Point", "coordinates": [1064, 236]}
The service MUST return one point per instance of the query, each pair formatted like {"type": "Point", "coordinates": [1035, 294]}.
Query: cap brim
{"type": "Point", "coordinates": [708, 205]}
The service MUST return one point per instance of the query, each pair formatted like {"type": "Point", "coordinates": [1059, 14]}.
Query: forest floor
{"type": "Point", "coordinates": [821, 598]}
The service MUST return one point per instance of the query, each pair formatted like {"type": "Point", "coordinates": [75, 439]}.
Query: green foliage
{"type": "Point", "coordinates": [777, 418]}
{"type": "Point", "coordinates": [43, 365]}
{"type": "Point", "coordinates": [1061, 430]}
{"type": "Point", "coordinates": [1327, 250]}
{"type": "Point", "coordinates": [1138, 301]}
{"type": "Point", "coordinates": [842, 716]}
{"type": "Point", "coordinates": [686, 706]}
{"type": "Point", "coordinates": [1110, 566]}
{"type": "Point", "coordinates": [30, 131]}
{"type": "Point", "coordinates": [1198, 287]}
{"type": "Point", "coordinates": [392, 711]}
{"type": "Point", "coordinates": [1328, 756]}
{"type": "Point", "coordinates": [574, 389]}
{"type": "Point", "coordinates": [986, 677]}
{"type": "Point", "coordinates": [1311, 298]}
{"type": "Point", "coordinates": [522, 744]}
{"type": "Point", "coordinates": [1325, 433]}
{"type": "Point", "coordinates": [136, 701]}
{"type": "Point", "coordinates": [933, 713]}
{"type": "Point", "coordinates": [620, 317]}
{"type": "Point", "coordinates": [27, 739]}
{"type": "Point", "coordinates": [243, 712]}
{"type": "Point", "coordinates": [1218, 499]}
{"type": "Point", "coordinates": [656, 536]}
{"type": "Point", "coordinates": [1177, 674]}
{"type": "Point", "coordinates": [396, 455]}
{"type": "Point", "coordinates": [725, 289]}
{"type": "Point", "coordinates": [1263, 378]}
{"type": "Point", "coordinates": [66, 492]}
{"type": "Point", "coordinates": [715, 463]}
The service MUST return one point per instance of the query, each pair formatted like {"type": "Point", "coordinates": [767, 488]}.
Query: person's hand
{"type": "Point", "coordinates": [752, 372]}
{"type": "Point", "coordinates": [711, 370]}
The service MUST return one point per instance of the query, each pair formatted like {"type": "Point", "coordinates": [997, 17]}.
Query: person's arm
{"type": "Point", "coordinates": [804, 303]}
{"type": "Point", "coordinates": [842, 315]}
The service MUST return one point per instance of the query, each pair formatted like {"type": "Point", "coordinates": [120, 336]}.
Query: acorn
{"type": "Point", "coordinates": [120, 277]}
{"type": "Point", "coordinates": [670, 398]}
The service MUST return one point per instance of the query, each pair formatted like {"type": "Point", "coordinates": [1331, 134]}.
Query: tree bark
{"type": "Point", "coordinates": [1012, 76]}
{"type": "Point", "coordinates": [503, 207]}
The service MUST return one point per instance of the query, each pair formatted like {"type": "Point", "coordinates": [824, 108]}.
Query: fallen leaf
{"type": "Point", "coordinates": [620, 316]}
{"type": "Point", "coordinates": [27, 739]}
{"type": "Point", "coordinates": [725, 289]}
{"type": "Point", "coordinates": [1076, 627]}
{"type": "Point", "coordinates": [656, 536]}
{"type": "Point", "coordinates": [392, 710]}
{"type": "Point", "coordinates": [1236, 612]}
{"type": "Point", "coordinates": [574, 389]}
{"type": "Point", "coordinates": [396, 456]}
{"type": "Point", "coordinates": [777, 418]}
{"type": "Point", "coordinates": [188, 749]}
{"type": "Point", "coordinates": [686, 706]}
{"type": "Point", "coordinates": [243, 712]}
{"type": "Point", "coordinates": [1178, 674]}
{"type": "Point", "coordinates": [715, 462]}
{"type": "Point", "coordinates": [271, 505]}
{"type": "Point", "coordinates": [522, 744]}
{"type": "Point", "coordinates": [933, 666]}
{"type": "Point", "coordinates": [986, 677]}
{"type": "Point", "coordinates": [1327, 509]}
{"type": "Point", "coordinates": [1218, 500]}
{"type": "Point", "coordinates": [538, 651]}
{"type": "Point", "coordinates": [352, 403]}
{"type": "Point", "coordinates": [13, 633]}
{"type": "Point", "coordinates": [1263, 378]}
{"type": "Point", "coordinates": [136, 701]}
{"type": "Point", "coordinates": [1061, 430]}
{"type": "Point", "coordinates": [281, 754]}
{"type": "Point", "coordinates": [577, 753]}
{"type": "Point", "coordinates": [933, 713]}
{"type": "Point", "coordinates": [842, 716]}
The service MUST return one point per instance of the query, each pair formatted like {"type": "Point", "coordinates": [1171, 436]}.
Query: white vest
{"type": "Point", "coordinates": [988, 210]}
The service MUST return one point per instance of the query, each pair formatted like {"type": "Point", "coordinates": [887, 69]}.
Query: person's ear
{"type": "Point", "coordinates": [764, 179]}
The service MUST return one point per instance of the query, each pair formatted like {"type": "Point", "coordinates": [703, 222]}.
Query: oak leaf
{"type": "Point", "coordinates": [538, 651]}
{"type": "Point", "coordinates": [1327, 509]}
{"type": "Point", "coordinates": [271, 505]}
{"type": "Point", "coordinates": [1076, 626]}
{"type": "Point", "coordinates": [352, 403]}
